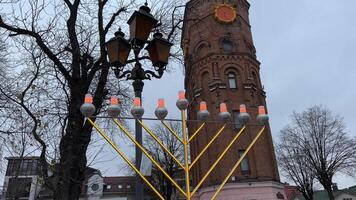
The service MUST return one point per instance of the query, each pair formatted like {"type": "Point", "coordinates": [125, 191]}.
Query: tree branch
{"type": "Point", "coordinates": [40, 43]}
{"type": "Point", "coordinates": [73, 38]}
{"type": "Point", "coordinates": [112, 19]}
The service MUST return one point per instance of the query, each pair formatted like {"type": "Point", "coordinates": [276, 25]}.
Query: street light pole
{"type": "Point", "coordinates": [138, 87]}
{"type": "Point", "coordinates": [118, 49]}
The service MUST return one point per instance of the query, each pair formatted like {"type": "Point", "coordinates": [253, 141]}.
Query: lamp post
{"type": "Point", "coordinates": [141, 24]}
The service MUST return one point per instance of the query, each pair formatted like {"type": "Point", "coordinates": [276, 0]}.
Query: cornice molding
{"type": "Point", "coordinates": [213, 57]}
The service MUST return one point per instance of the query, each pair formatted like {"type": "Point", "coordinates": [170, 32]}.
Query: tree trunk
{"type": "Point", "coordinates": [73, 147]}
{"type": "Point", "coordinates": [169, 191]}
{"type": "Point", "coordinates": [330, 193]}
{"type": "Point", "coordinates": [308, 195]}
{"type": "Point", "coordinates": [327, 184]}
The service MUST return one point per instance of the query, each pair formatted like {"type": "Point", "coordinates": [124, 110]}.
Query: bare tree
{"type": "Point", "coordinates": [164, 159]}
{"type": "Point", "coordinates": [321, 137]}
{"type": "Point", "coordinates": [66, 39]}
{"type": "Point", "coordinates": [294, 164]}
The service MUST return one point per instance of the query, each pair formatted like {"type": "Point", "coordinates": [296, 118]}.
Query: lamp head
{"type": "Point", "coordinates": [224, 115]}
{"type": "Point", "coordinates": [118, 49]}
{"type": "Point", "coordinates": [159, 50]}
{"type": "Point", "coordinates": [243, 116]}
{"type": "Point", "coordinates": [161, 111]}
{"type": "Point", "coordinates": [137, 110]}
{"type": "Point", "coordinates": [87, 108]}
{"type": "Point", "coordinates": [203, 113]}
{"type": "Point", "coordinates": [262, 117]}
{"type": "Point", "coordinates": [114, 108]}
{"type": "Point", "coordinates": [141, 24]}
{"type": "Point", "coordinates": [182, 102]}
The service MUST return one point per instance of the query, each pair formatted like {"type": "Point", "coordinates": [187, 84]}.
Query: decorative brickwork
{"type": "Point", "coordinates": [215, 53]}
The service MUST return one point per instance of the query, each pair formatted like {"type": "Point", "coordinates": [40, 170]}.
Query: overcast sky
{"type": "Point", "coordinates": [308, 53]}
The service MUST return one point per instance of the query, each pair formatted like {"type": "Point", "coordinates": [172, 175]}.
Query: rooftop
{"type": "Point", "coordinates": [322, 194]}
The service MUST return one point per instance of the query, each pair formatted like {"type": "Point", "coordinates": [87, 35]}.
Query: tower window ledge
{"type": "Point", "coordinates": [196, 95]}
{"type": "Point", "coordinates": [224, 87]}
{"type": "Point", "coordinates": [247, 87]}
{"type": "Point", "coordinates": [212, 89]}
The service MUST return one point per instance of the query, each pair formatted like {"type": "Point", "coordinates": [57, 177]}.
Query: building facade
{"type": "Point", "coordinates": [221, 67]}
{"type": "Point", "coordinates": [23, 181]}
{"type": "Point", "coordinates": [22, 178]}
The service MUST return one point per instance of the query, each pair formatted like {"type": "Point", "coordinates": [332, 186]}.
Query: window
{"type": "Point", "coordinates": [232, 80]}
{"type": "Point", "coordinates": [22, 167]}
{"type": "Point", "coordinates": [237, 122]}
{"type": "Point", "coordinates": [107, 187]}
{"type": "Point", "coordinates": [13, 168]}
{"type": "Point", "coordinates": [18, 188]}
{"type": "Point", "coordinates": [119, 186]}
{"type": "Point", "coordinates": [128, 186]}
{"type": "Point", "coordinates": [205, 80]}
{"type": "Point", "coordinates": [227, 45]}
{"type": "Point", "coordinates": [95, 187]}
{"type": "Point", "coordinates": [245, 168]}
{"type": "Point", "coordinates": [255, 79]}
{"type": "Point", "coordinates": [202, 50]}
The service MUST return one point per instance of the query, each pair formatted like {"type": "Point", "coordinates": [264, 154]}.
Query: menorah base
{"type": "Point", "coordinates": [267, 190]}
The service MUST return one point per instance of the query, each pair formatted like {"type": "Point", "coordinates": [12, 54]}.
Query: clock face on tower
{"type": "Point", "coordinates": [225, 14]}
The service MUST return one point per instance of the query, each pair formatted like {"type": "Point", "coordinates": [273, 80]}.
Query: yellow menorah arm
{"type": "Point", "coordinates": [161, 144]}
{"type": "Point", "coordinates": [172, 131]}
{"type": "Point", "coordinates": [196, 132]}
{"type": "Point", "coordinates": [186, 159]}
{"type": "Point", "coordinates": [237, 164]}
{"type": "Point", "coordinates": [218, 160]}
{"type": "Point", "coordinates": [121, 127]}
{"type": "Point", "coordinates": [206, 147]}
{"type": "Point", "coordinates": [123, 156]}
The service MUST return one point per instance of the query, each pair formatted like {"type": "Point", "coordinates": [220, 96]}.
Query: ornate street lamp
{"type": "Point", "coordinates": [141, 23]}
{"type": "Point", "coordinates": [159, 49]}
{"type": "Point", "coordinates": [118, 48]}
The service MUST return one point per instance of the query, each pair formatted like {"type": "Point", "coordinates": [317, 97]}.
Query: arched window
{"type": "Point", "coordinates": [245, 167]}
{"type": "Point", "coordinates": [232, 80]}
{"type": "Point", "coordinates": [205, 80]}
{"type": "Point", "coordinates": [255, 79]}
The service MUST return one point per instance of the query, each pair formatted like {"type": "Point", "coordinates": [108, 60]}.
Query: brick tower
{"type": "Point", "coordinates": [221, 66]}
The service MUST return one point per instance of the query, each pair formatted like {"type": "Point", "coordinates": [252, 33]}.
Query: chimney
{"type": "Point", "coordinates": [334, 186]}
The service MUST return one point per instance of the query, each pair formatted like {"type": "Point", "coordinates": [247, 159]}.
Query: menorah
{"type": "Point", "coordinates": [137, 111]}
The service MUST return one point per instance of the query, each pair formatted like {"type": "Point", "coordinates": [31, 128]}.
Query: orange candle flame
{"type": "Point", "coordinates": [243, 108]}
{"type": "Point", "coordinates": [137, 101]}
{"type": "Point", "coordinates": [203, 105]}
{"type": "Point", "coordinates": [181, 95]}
{"type": "Point", "coordinates": [88, 98]}
{"type": "Point", "coordinates": [114, 100]}
{"type": "Point", "coordinates": [161, 103]}
{"type": "Point", "coordinates": [261, 110]}
{"type": "Point", "coordinates": [223, 107]}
